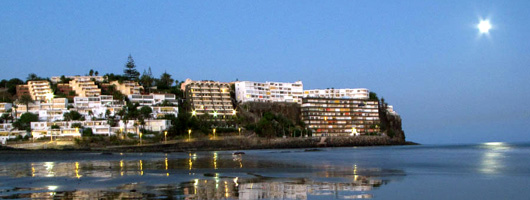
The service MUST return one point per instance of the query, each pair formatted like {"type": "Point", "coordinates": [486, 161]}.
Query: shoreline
{"type": "Point", "coordinates": [239, 143]}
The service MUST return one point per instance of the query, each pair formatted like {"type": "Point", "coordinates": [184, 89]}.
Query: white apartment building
{"type": "Point", "coordinates": [152, 99]}
{"type": "Point", "coordinates": [161, 111]}
{"type": "Point", "coordinates": [355, 93]}
{"type": "Point", "coordinates": [248, 91]}
{"type": "Point", "coordinates": [40, 90]}
{"type": "Point", "coordinates": [127, 87]}
{"type": "Point", "coordinates": [84, 86]}
{"type": "Point", "coordinates": [96, 106]}
{"type": "Point", "coordinates": [52, 110]}
{"type": "Point", "coordinates": [56, 79]}
{"type": "Point", "coordinates": [5, 107]}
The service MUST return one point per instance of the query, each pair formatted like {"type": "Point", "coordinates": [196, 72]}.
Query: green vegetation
{"type": "Point", "coordinates": [73, 116]}
{"type": "Point", "coordinates": [373, 96]}
{"type": "Point", "coordinates": [26, 100]}
{"type": "Point", "coordinates": [24, 123]}
{"type": "Point", "coordinates": [130, 71]}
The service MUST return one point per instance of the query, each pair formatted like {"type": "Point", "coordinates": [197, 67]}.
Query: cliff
{"type": "Point", "coordinates": [390, 123]}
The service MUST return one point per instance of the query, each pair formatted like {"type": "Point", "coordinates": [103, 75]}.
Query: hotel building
{"type": "Point", "coordinates": [48, 111]}
{"type": "Point", "coordinates": [127, 87]}
{"type": "Point", "coordinates": [356, 93]}
{"type": "Point", "coordinates": [38, 90]}
{"type": "Point", "coordinates": [248, 91]}
{"type": "Point", "coordinates": [57, 79]}
{"type": "Point", "coordinates": [84, 86]}
{"type": "Point", "coordinates": [340, 116]}
{"type": "Point", "coordinates": [209, 97]}
{"type": "Point", "coordinates": [152, 99]}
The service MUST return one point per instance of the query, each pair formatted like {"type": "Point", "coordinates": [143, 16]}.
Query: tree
{"type": "Point", "coordinates": [91, 72]}
{"type": "Point", "coordinates": [24, 123]}
{"type": "Point", "coordinates": [165, 81]}
{"type": "Point", "coordinates": [32, 77]}
{"type": "Point", "coordinates": [72, 115]}
{"type": "Point", "coordinates": [26, 100]}
{"type": "Point", "coordinates": [5, 117]}
{"type": "Point", "coordinates": [145, 112]}
{"type": "Point", "coordinates": [147, 79]}
{"type": "Point", "coordinates": [11, 85]}
{"type": "Point", "coordinates": [373, 96]}
{"type": "Point", "coordinates": [96, 73]}
{"type": "Point", "coordinates": [130, 71]}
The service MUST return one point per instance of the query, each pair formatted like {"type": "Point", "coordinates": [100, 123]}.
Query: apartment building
{"type": "Point", "coordinates": [5, 107]}
{"type": "Point", "coordinates": [38, 90]}
{"type": "Point", "coordinates": [22, 90]}
{"type": "Point", "coordinates": [152, 99]}
{"type": "Point", "coordinates": [248, 91]}
{"type": "Point", "coordinates": [355, 93]}
{"type": "Point", "coordinates": [161, 111]}
{"type": "Point", "coordinates": [57, 79]}
{"type": "Point", "coordinates": [127, 87]}
{"type": "Point", "coordinates": [96, 106]}
{"type": "Point", "coordinates": [340, 116]}
{"type": "Point", "coordinates": [84, 87]}
{"type": "Point", "coordinates": [209, 97]}
{"type": "Point", "coordinates": [52, 110]}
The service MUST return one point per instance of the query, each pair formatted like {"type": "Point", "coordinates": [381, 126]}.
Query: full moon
{"type": "Point", "coordinates": [484, 26]}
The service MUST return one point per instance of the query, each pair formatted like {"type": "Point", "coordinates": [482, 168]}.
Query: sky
{"type": "Point", "coordinates": [450, 84]}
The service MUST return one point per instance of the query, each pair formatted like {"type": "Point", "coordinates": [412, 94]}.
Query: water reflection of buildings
{"type": "Point", "coordinates": [277, 188]}
{"type": "Point", "coordinates": [327, 183]}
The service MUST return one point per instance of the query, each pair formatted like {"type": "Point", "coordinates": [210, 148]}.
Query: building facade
{"type": "Point", "coordinates": [127, 87]}
{"type": "Point", "coordinates": [209, 97]}
{"type": "Point", "coordinates": [85, 87]}
{"type": "Point", "coordinates": [340, 116]}
{"type": "Point", "coordinates": [355, 93]}
{"type": "Point", "coordinates": [153, 99]}
{"type": "Point", "coordinates": [248, 91]}
{"type": "Point", "coordinates": [38, 90]}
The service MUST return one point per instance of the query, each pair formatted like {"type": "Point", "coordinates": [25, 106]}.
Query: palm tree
{"type": "Point", "coordinates": [26, 99]}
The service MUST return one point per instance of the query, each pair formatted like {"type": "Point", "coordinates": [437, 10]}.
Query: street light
{"type": "Point", "coordinates": [214, 133]}
{"type": "Point", "coordinates": [140, 138]}
{"type": "Point", "coordinates": [165, 136]}
{"type": "Point", "coordinates": [193, 113]}
{"type": "Point", "coordinates": [239, 129]}
{"type": "Point", "coordinates": [189, 134]}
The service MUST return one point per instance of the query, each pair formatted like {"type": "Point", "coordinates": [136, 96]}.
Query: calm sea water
{"type": "Point", "coordinates": [483, 171]}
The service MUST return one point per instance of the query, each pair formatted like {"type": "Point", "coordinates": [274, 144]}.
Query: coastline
{"type": "Point", "coordinates": [236, 143]}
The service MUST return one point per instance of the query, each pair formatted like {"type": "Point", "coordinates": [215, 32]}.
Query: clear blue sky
{"type": "Point", "coordinates": [426, 58]}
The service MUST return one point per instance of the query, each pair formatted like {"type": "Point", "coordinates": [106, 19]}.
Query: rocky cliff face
{"type": "Point", "coordinates": [390, 123]}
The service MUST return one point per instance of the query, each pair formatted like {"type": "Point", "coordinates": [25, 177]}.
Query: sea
{"type": "Point", "coordinates": [479, 171]}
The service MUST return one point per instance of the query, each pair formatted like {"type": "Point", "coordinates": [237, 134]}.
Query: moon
{"type": "Point", "coordinates": [484, 26]}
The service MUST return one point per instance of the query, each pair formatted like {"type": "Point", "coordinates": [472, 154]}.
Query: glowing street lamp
{"type": "Point", "coordinates": [234, 112]}
{"type": "Point", "coordinates": [165, 136]}
{"type": "Point", "coordinates": [193, 113]}
{"type": "Point", "coordinates": [215, 114]}
{"type": "Point", "coordinates": [239, 129]}
{"type": "Point", "coordinates": [189, 134]}
{"type": "Point", "coordinates": [214, 133]}
{"type": "Point", "coordinates": [140, 138]}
